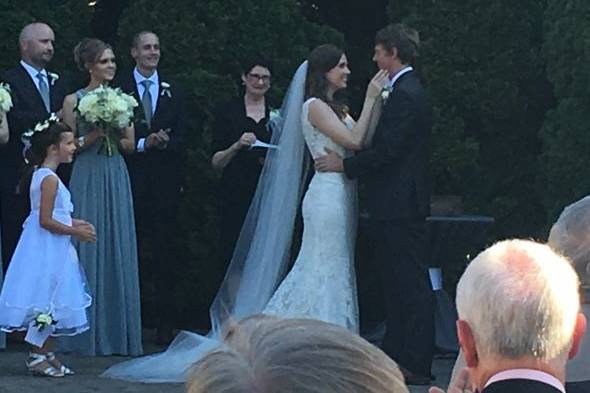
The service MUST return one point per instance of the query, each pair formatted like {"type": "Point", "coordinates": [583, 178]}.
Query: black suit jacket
{"type": "Point", "coordinates": [395, 167]}
{"type": "Point", "coordinates": [165, 167]}
{"type": "Point", "coordinates": [520, 386]}
{"type": "Point", "coordinates": [28, 109]}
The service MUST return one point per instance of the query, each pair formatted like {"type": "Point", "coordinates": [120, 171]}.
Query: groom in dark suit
{"type": "Point", "coordinates": [36, 93]}
{"type": "Point", "coordinates": [156, 169]}
{"type": "Point", "coordinates": [394, 170]}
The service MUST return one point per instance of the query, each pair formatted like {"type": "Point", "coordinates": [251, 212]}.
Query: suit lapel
{"type": "Point", "coordinates": [30, 89]}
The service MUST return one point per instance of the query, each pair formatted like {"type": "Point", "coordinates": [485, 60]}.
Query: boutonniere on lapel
{"type": "Point", "coordinates": [385, 92]}
{"type": "Point", "coordinates": [53, 77]}
{"type": "Point", "coordinates": [165, 89]}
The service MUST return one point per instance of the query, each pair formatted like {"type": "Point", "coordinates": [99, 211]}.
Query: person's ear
{"type": "Point", "coordinates": [467, 343]}
{"type": "Point", "coordinates": [579, 331]}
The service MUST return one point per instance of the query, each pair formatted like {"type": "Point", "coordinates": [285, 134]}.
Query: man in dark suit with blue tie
{"type": "Point", "coordinates": [36, 93]}
{"type": "Point", "coordinates": [156, 169]}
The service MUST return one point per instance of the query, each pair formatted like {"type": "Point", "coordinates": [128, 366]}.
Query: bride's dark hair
{"type": "Point", "coordinates": [320, 61]}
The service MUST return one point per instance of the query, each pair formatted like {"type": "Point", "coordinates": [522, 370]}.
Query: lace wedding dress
{"type": "Point", "coordinates": [322, 285]}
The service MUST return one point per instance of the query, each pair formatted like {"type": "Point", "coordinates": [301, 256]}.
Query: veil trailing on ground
{"type": "Point", "coordinates": [261, 255]}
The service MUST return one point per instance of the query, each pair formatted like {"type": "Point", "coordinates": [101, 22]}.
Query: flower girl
{"type": "Point", "coordinates": [44, 290]}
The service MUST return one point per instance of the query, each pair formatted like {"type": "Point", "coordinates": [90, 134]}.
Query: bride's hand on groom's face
{"type": "Point", "coordinates": [377, 84]}
{"type": "Point", "coordinates": [331, 162]}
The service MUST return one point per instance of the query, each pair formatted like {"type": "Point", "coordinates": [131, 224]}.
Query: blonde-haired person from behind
{"type": "Point", "coordinates": [265, 354]}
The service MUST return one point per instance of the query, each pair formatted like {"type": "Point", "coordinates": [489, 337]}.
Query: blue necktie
{"type": "Point", "coordinates": [146, 101]}
{"type": "Point", "coordinates": [44, 91]}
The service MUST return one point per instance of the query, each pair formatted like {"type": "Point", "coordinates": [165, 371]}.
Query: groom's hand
{"type": "Point", "coordinates": [331, 162]}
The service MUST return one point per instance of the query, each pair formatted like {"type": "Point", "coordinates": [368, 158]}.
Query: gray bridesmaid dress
{"type": "Point", "coordinates": [101, 194]}
{"type": "Point", "coordinates": [2, 335]}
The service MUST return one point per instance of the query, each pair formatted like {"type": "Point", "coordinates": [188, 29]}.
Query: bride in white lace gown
{"type": "Point", "coordinates": [321, 284]}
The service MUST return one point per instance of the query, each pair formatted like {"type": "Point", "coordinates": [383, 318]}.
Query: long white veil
{"type": "Point", "coordinates": [261, 255]}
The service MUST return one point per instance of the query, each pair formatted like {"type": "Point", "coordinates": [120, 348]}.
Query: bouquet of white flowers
{"type": "Point", "coordinates": [110, 109]}
{"type": "Point", "coordinates": [5, 99]}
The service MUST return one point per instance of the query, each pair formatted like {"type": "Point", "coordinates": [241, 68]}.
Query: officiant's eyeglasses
{"type": "Point", "coordinates": [258, 77]}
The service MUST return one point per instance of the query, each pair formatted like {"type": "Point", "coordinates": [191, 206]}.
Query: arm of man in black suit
{"type": "Point", "coordinates": [396, 136]}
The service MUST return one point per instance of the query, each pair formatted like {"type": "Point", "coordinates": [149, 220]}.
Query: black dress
{"type": "Point", "coordinates": [240, 177]}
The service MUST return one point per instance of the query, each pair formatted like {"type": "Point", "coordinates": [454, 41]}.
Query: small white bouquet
{"type": "Point", "coordinates": [44, 320]}
{"type": "Point", "coordinates": [110, 109]}
{"type": "Point", "coordinates": [274, 120]}
{"type": "Point", "coordinates": [5, 99]}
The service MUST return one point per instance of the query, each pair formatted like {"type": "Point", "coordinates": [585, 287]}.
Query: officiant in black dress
{"type": "Point", "coordinates": [238, 124]}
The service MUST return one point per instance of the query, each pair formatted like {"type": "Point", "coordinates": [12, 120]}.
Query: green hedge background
{"type": "Point", "coordinates": [509, 82]}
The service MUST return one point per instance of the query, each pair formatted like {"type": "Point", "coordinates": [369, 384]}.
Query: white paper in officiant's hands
{"type": "Point", "coordinates": [435, 274]}
{"type": "Point", "coordinates": [263, 145]}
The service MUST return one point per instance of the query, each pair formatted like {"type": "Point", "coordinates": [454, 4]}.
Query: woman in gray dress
{"type": "Point", "coordinates": [3, 139]}
{"type": "Point", "coordinates": [101, 194]}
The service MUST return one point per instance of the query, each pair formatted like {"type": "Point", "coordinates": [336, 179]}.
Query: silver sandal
{"type": "Point", "coordinates": [35, 366]}
{"type": "Point", "coordinates": [52, 359]}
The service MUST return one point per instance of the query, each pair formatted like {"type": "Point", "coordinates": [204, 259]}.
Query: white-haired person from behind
{"type": "Point", "coordinates": [265, 354]}
{"type": "Point", "coordinates": [519, 319]}
{"type": "Point", "coordinates": [570, 235]}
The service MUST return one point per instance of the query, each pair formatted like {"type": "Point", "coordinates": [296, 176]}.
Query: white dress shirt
{"type": "Point", "coordinates": [32, 71]}
{"type": "Point", "coordinates": [532, 375]}
{"type": "Point", "coordinates": [399, 74]}
{"type": "Point", "coordinates": [154, 91]}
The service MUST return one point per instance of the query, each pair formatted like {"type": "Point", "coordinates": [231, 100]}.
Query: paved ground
{"type": "Point", "coordinates": [14, 379]}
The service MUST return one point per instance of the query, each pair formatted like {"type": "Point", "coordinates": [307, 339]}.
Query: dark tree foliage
{"type": "Point", "coordinates": [483, 66]}
{"type": "Point", "coordinates": [70, 20]}
{"type": "Point", "coordinates": [566, 141]}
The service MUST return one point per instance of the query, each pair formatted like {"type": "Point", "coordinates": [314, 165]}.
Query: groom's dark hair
{"type": "Point", "coordinates": [401, 37]}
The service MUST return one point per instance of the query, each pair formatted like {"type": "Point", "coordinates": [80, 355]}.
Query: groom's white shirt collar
{"type": "Point", "coordinates": [399, 74]}
{"type": "Point", "coordinates": [32, 71]}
